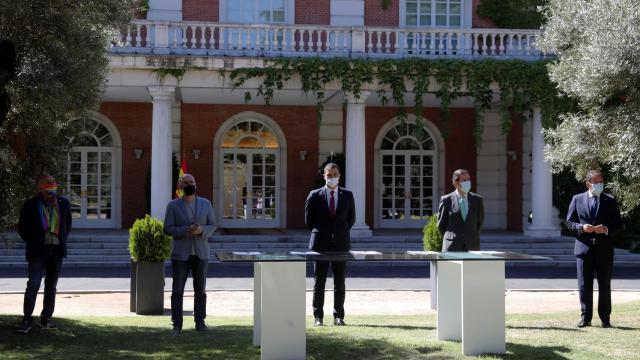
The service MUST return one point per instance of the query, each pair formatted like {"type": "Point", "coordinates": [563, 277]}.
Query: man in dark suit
{"type": "Point", "coordinates": [594, 217]}
{"type": "Point", "coordinates": [461, 215]}
{"type": "Point", "coordinates": [330, 213]}
{"type": "Point", "coordinates": [44, 225]}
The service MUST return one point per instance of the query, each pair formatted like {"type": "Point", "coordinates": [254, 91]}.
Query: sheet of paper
{"type": "Point", "coordinates": [246, 253]}
{"type": "Point", "coordinates": [303, 253]}
{"type": "Point", "coordinates": [411, 252]}
{"type": "Point", "coordinates": [365, 252]}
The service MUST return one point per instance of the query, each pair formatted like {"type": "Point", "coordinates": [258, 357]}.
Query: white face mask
{"type": "Point", "coordinates": [466, 186]}
{"type": "Point", "coordinates": [333, 182]}
{"type": "Point", "coordinates": [597, 189]}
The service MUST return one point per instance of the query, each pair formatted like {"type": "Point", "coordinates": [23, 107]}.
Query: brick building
{"type": "Point", "coordinates": [257, 163]}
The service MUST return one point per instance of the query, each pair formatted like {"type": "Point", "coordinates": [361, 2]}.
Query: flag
{"type": "Point", "coordinates": [183, 170]}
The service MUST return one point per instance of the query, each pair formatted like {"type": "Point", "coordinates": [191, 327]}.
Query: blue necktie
{"type": "Point", "coordinates": [594, 209]}
{"type": "Point", "coordinates": [463, 208]}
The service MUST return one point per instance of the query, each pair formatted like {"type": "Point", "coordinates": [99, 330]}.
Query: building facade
{"type": "Point", "coordinates": [257, 163]}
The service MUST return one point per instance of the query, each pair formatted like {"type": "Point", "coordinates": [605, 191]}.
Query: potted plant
{"type": "Point", "coordinates": [149, 247]}
{"type": "Point", "coordinates": [432, 241]}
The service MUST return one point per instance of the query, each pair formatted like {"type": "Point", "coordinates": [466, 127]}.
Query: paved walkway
{"type": "Point", "coordinates": [240, 303]}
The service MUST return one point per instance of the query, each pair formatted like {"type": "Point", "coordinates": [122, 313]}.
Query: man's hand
{"type": "Point", "coordinates": [601, 229]}
{"type": "Point", "coordinates": [588, 228]}
{"type": "Point", "coordinates": [195, 229]}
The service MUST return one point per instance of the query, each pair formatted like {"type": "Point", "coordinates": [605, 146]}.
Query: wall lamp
{"type": "Point", "coordinates": [137, 153]}
{"type": "Point", "coordinates": [303, 154]}
{"type": "Point", "coordinates": [196, 153]}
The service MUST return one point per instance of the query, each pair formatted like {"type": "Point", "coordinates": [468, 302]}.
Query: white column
{"type": "Point", "coordinates": [542, 224]}
{"type": "Point", "coordinates": [161, 177]}
{"type": "Point", "coordinates": [355, 160]}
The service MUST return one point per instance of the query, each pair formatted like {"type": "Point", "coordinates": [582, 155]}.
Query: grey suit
{"type": "Point", "coordinates": [178, 217]}
{"type": "Point", "coordinates": [177, 220]}
{"type": "Point", "coordinates": [459, 234]}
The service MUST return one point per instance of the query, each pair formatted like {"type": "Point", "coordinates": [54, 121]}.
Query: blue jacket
{"type": "Point", "coordinates": [579, 214]}
{"type": "Point", "coordinates": [177, 222]}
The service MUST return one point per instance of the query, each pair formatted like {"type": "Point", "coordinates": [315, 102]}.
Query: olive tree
{"type": "Point", "coordinates": [53, 64]}
{"type": "Point", "coordinates": [598, 64]}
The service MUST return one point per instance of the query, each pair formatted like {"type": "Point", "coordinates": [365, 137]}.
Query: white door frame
{"type": "Point", "coordinates": [116, 174]}
{"type": "Point", "coordinates": [407, 222]}
{"type": "Point", "coordinates": [251, 223]}
{"type": "Point", "coordinates": [438, 169]}
{"type": "Point", "coordinates": [281, 167]}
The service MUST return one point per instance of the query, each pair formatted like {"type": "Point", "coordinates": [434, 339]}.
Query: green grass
{"type": "Point", "coordinates": [550, 336]}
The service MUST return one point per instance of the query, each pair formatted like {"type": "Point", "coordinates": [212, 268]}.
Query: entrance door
{"type": "Point", "coordinates": [90, 177]}
{"type": "Point", "coordinates": [408, 179]}
{"type": "Point", "coordinates": [250, 181]}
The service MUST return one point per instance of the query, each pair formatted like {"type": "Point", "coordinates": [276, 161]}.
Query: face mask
{"type": "Point", "coordinates": [597, 189]}
{"type": "Point", "coordinates": [332, 182]}
{"type": "Point", "coordinates": [466, 186]}
{"type": "Point", "coordinates": [189, 190]}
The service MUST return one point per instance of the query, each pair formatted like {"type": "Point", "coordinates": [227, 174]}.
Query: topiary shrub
{"type": "Point", "coordinates": [432, 238]}
{"type": "Point", "coordinates": [148, 242]}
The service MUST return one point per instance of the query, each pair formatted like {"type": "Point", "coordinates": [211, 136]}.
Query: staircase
{"type": "Point", "coordinates": [109, 248]}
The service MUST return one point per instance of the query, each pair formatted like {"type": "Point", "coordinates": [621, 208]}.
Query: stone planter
{"type": "Point", "coordinates": [150, 288]}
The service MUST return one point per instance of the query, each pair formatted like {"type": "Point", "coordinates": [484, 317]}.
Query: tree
{"type": "Point", "coordinates": [512, 14]}
{"type": "Point", "coordinates": [597, 42]}
{"type": "Point", "coordinates": [57, 71]}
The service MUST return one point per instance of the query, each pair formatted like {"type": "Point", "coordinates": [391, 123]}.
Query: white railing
{"type": "Point", "coordinates": [196, 38]}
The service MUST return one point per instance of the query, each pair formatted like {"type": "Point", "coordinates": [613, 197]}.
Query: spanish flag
{"type": "Point", "coordinates": [183, 170]}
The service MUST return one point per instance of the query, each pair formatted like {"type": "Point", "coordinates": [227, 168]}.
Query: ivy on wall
{"type": "Point", "coordinates": [520, 84]}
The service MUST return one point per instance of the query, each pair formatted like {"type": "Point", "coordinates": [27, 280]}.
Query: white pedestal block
{"type": "Point", "coordinates": [471, 305]}
{"type": "Point", "coordinates": [282, 331]}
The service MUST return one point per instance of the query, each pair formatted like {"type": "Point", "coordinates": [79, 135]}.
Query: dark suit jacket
{"type": "Point", "coordinates": [325, 229]}
{"type": "Point", "coordinates": [608, 214]}
{"type": "Point", "coordinates": [30, 227]}
{"type": "Point", "coordinates": [458, 234]}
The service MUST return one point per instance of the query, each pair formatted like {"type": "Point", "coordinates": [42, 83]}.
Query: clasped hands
{"type": "Point", "coordinates": [599, 229]}
{"type": "Point", "coordinates": [195, 229]}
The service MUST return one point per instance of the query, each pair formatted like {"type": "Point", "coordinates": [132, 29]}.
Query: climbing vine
{"type": "Point", "coordinates": [520, 84]}
{"type": "Point", "coordinates": [161, 73]}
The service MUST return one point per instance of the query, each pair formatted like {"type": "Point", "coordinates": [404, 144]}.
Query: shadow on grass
{"type": "Point", "coordinates": [543, 328]}
{"type": "Point", "coordinates": [520, 351]}
{"type": "Point", "coordinates": [398, 327]}
{"type": "Point", "coordinates": [122, 338]}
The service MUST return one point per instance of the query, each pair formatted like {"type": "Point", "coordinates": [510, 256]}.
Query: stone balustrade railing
{"type": "Point", "coordinates": [198, 38]}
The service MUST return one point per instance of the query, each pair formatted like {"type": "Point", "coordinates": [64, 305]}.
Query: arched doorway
{"type": "Point", "coordinates": [92, 176]}
{"type": "Point", "coordinates": [250, 168]}
{"type": "Point", "coordinates": [408, 170]}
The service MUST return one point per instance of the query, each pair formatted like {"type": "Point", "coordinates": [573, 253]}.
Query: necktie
{"type": "Point", "coordinates": [332, 204]}
{"type": "Point", "coordinates": [594, 209]}
{"type": "Point", "coordinates": [463, 208]}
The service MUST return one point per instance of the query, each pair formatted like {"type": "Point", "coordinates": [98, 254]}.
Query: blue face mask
{"type": "Point", "coordinates": [597, 189]}
{"type": "Point", "coordinates": [466, 186]}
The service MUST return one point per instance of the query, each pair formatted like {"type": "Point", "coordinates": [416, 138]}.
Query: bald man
{"type": "Point", "coordinates": [44, 225]}
{"type": "Point", "coordinates": [190, 221]}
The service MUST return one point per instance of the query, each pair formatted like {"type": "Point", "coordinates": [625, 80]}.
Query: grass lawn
{"type": "Point", "coordinates": [552, 336]}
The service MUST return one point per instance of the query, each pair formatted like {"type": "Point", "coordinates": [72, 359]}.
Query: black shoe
{"type": "Point", "coordinates": [201, 327]}
{"type": "Point", "coordinates": [48, 324]}
{"type": "Point", "coordinates": [606, 324]}
{"type": "Point", "coordinates": [176, 331]}
{"type": "Point", "coordinates": [318, 322]}
{"type": "Point", "coordinates": [338, 322]}
{"type": "Point", "coordinates": [583, 323]}
{"type": "Point", "coordinates": [24, 327]}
